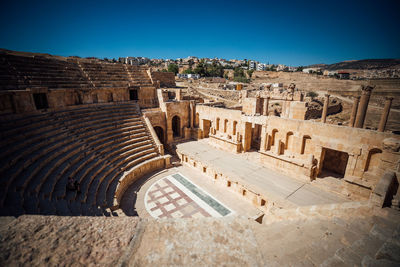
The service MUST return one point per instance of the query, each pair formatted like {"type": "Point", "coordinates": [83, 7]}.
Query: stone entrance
{"type": "Point", "coordinates": [40, 101]}
{"type": "Point", "coordinates": [334, 163]}
{"type": "Point", "coordinates": [176, 126]}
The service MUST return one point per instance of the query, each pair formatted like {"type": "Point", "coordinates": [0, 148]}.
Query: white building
{"type": "Point", "coordinates": [309, 70]}
{"type": "Point", "coordinates": [188, 76]}
{"type": "Point", "coordinates": [134, 60]}
{"type": "Point", "coordinates": [252, 65]}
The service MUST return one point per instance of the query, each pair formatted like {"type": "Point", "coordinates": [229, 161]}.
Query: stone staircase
{"type": "Point", "coordinates": [95, 145]}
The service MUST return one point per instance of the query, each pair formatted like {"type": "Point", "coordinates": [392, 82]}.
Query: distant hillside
{"type": "Point", "coordinates": [364, 64]}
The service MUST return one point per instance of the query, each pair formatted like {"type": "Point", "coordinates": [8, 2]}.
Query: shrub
{"type": "Point", "coordinates": [312, 94]}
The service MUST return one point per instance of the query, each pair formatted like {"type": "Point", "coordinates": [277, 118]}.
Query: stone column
{"type": "Point", "coordinates": [354, 111]}
{"type": "Point", "coordinates": [265, 108]}
{"type": "Point", "coordinates": [325, 108]}
{"type": "Point", "coordinates": [362, 108]}
{"type": "Point", "coordinates": [192, 116]}
{"type": "Point", "coordinates": [264, 135]}
{"type": "Point", "coordinates": [385, 114]}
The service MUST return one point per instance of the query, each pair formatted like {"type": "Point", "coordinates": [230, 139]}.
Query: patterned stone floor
{"type": "Point", "coordinates": [175, 196]}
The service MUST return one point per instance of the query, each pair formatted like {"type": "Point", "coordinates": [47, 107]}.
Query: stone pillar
{"type": "Point", "coordinates": [265, 108]}
{"type": "Point", "coordinates": [385, 114]}
{"type": "Point", "coordinates": [325, 108]}
{"type": "Point", "coordinates": [362, 108]}
{"type": "Point", "coordinates": [354, 111]}
{"type": "Point", "coordinates": [264, 135]}
{"type": "Point", "coordinates": [192, 116]}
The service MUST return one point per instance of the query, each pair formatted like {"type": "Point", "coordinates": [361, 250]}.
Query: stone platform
{"type": "Point", "coordinates": [256, 178]}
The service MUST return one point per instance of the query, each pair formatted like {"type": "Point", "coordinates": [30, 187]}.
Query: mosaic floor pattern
{"type": "Point", "coordinates": [175, 196]}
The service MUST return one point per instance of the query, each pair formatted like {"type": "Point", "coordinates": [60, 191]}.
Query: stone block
{"type": "Point", "coordinates": [379, 196]}
{"type": "Point", "coordinates": [389, 251]}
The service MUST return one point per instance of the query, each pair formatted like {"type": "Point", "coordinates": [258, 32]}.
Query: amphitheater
{"type": "Point", "coordinates": [171, 179]}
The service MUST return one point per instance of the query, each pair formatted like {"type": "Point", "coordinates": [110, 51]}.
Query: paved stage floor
{"type": "Point", "coordinates": [258, 178]}
{"type": "Point", "coordinates": [160, 195]}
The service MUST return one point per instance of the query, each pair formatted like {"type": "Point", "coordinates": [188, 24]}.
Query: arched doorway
{"type": "Point", "coordinates": [160, 133]}
{"type": "Point", "coordinates": [176, 126]}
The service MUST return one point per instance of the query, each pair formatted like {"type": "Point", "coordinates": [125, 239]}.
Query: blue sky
{"type": "Point", "coordinates": [288, 32]}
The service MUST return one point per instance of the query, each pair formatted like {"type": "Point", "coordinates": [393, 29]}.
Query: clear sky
{"type": "Point", "coordinates": [288, 32]}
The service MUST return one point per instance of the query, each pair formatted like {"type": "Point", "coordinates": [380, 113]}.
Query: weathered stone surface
{"type": "Point", "coordinates": [390, 251]}
{"type": "Point", "coordinates": [391, 144]}
{"type": "Point", "coordinates": [201, 242]}
{"type": "Point", "coordinates": [67, 241]}
{"type": "Point", "coordinates": [370, 262]}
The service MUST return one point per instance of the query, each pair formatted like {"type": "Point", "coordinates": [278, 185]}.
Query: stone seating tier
{"type": "Point", "coordinates": [94, 145]}
{"type": "Point", "coordinates": [20, 72]}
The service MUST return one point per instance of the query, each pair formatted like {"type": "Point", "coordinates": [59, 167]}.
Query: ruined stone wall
{"type": "Point", "coordinates": [311, 82]}
{"type": "Point", "coordinates": [167, 79]}
{"type": "Point", "coordinates": [214, 115]}
{"type": "Point", "coordinates": [147, 97]}
{"type": "Point", "coordinates": [315, 113]}
{"type": "Point", "coordinates": [296, 146]}
{"type": "Point", "coordinates": [22, 101]}
{"type": "Point", "coordinates": [226, 94]}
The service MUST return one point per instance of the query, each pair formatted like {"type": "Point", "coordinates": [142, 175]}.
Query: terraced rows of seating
{"type": "Point", "coordinates": [21, 72]}
{"type": "Point", "coordinates": [138, 76]}
{"type": "Point", "coordinates": [18, 73]}
{"type": "Point", "coordinates": [95, 145]}
{"type": "Point", "coordinates": [105, 74]}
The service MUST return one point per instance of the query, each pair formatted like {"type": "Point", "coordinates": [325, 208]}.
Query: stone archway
{"type": "Point", "coordinates": [176, 126]}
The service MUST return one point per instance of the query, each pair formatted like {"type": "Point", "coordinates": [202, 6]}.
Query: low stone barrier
{"type": "Point", "coordinates": [134, 174]}
{"type": "Point", "coordinates": [317, 211]}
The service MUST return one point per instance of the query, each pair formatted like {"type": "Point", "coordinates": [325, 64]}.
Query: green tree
{"type": "Point", "coordinates": [173, 68]}
{"type": "Point", "coordinates": [201, 68]}
{"type": "Point", "coordinates": [239, 75]}
{"type": "Point", "coordinates": [312, 94]}
{"type": "Point", "coordinates": [188, 71]}
{"type": "Point", "coordinates": [250, 73]}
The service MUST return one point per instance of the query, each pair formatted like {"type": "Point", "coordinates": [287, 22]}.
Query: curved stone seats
{"type": "Point", "coordinates": [20, 72]}
{"type": "Point", "coordinates": [68, 128]}
{"type": "Point", "coordinates": [47, 187]}
{"type": "Point", "coordinates": [45, 157]}
{"type": "Point", "coordinates": [47, 72]}
{"type": "Point", "coordinates": [21, 128]}
{"type": "Point", "coordinates": [93, 144]}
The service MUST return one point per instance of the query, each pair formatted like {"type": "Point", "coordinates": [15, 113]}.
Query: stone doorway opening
{"type": "Point", "coordinates": [40, 100]}
{"type": "Point", "coordinates": [206, 128]}
{"type": "Point", "coordinates": [334, 163]}
{"type": "Point", "coordinates": [176, 126]}
{"type": "Point", "coordinates": [256, 136]}
{"type": "Point", "coordinates": [133, 94]}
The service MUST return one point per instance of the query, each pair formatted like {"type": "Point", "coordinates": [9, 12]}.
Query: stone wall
{"type": "Point", "coordinates": [138, 171]}
{"type": "Point", "coordinates": [167, 79]}
{"type": "Point", "coordinates": [295, 147]}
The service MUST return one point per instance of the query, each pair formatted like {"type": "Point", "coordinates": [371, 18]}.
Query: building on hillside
{"type": "Point", "coordinates": [311, 70]}
{"type": "Point", "coordinates": [252, 65]}
{"type": "Point", "coordinates": [261, 66]}
{"type": "Point", "coordinates": [281, 67]}
{"type": "Point", "coordinates": [344, 75]}
{"type": "Point", "coordinates": [329, 72]}
{"type": "Point", "coordinates": [134, 60]}
{"type": "Point", "coordinates": [188, 76]}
